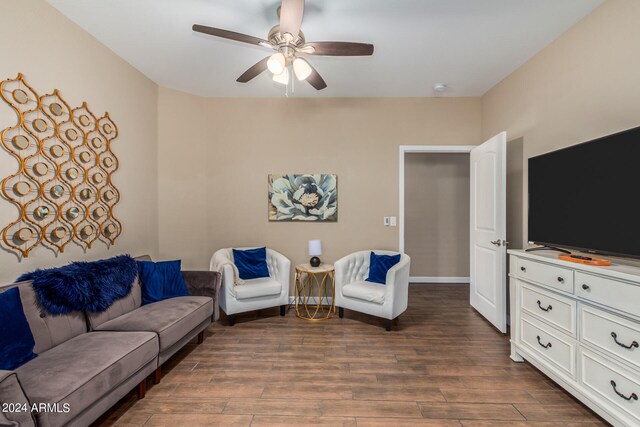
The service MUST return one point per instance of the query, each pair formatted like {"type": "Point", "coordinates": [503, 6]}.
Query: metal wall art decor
{"type": "Point", "coordinates": [62, 187]}
{"type": "Point", "coordinates": [303, 197]}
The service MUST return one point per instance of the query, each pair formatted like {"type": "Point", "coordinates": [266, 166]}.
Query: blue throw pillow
{"type": "Point", "coordinates": [16, 339]}
{"type": "Point", "coordinates": [379, 265]}
{"type": "Point", "coordinates": [161, 280]}
{"type": "Point", "coordinates": [251, 263]}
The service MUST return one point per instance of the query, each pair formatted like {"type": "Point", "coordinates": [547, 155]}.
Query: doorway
{"type": "Point", "coordinates": [434, 212]}
{"type": "Point", "coordinates": [486, 221]}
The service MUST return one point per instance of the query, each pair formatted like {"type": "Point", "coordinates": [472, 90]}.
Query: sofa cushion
{"type": "Point", "coordinates": [366, 291]}
{"type": "Point", "coordinates": [16, 340]}
{"type": "Point", "coordinates": [49, 331]}
{"type": "Point", "coordinates": [255, 288]}
{"type": "Point", "coordinates": [119, 307]}
{"type": "Point", "coordinates": [83, 369]}
{"type": "Point", "coordinates": [171, 319]}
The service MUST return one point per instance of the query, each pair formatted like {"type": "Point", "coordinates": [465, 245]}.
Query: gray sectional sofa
{"type": "Point", "coordinates": [87, 362]}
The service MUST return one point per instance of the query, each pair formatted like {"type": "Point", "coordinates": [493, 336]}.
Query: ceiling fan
{"type": "Point", "coordinates": [290, 44]}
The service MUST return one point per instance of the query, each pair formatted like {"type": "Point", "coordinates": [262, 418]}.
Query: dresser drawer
{"type": "Point", "coordinates": [545, 274]}
{"type": "Point", "coordinates": [555, 309]}
{"type": "Point", "coordinates": [611, 384]}
{"type": "Point", "coordinates": [554, 346]}
{"type": "Point", "coordinates": [610, 333]}
{"type": "Point", "coordinates": [621, 296]}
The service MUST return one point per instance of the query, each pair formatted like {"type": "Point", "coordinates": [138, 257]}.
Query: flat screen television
{"type": "Point", "coordinates": [587, 196]}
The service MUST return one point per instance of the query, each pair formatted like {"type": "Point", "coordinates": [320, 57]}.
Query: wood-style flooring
{"type": "Point", "coordinates": [441, 365]}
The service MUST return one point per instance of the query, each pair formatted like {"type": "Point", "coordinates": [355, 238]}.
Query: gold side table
{"type": "Point", "coordinates": [313, 283]}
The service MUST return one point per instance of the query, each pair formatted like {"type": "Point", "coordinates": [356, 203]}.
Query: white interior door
{"type": "Point", "coordinates": [488, 230]}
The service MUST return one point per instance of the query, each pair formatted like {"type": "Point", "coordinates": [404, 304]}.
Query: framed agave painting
{"type": "Point", "coordinates": [312, 197]}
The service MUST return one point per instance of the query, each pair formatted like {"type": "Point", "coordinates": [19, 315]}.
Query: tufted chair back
{"type": "Point", "coordinates": [272, 264]}
{"type": "Point", "coordinates": [356, 269]}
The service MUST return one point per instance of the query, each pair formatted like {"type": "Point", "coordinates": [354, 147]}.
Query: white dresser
{"type": "Point", "coordinates": [580, 325]}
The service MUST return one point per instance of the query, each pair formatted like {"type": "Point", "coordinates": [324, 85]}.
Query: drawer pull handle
{"type": "Point", "coordinates": [542, 308]}
{"type": "Point", "coordinates": [548, 345]}
{"type": "Point", "coordinates": [561, 279]}
{"type": "Point", "coordinates": [585, 287]}
{"type": "Point", "coordinates": [632, 345]}
{"type": "Point", "coordinates": [523, 269]}
{"type": "Point", "coordinates": [632, 397]}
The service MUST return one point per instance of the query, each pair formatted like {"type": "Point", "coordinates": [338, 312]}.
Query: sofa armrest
{"type": "Point", "coordinates": [19, 408]}
{"type": "Point", "coordinates": [205, 284]}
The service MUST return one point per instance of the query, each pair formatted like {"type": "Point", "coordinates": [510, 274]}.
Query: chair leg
{"type": "Point", "coordinates": [340, 312]}
{"type": "Point", "coordinates": [232, 319]}
{"type": "Point", "coordinates": [283, 310]}
{"type": "Point", "coordinates": [388, 325]}
{"type": "Point", "coordinates": [200, 338]}
{"type": "Point", "coordinates": [142, 389]}
{"type": "Point", "coordinates": [157, 375]}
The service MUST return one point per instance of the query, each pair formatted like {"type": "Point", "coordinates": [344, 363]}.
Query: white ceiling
{"type": "Point", "coordinates": [468, 44]}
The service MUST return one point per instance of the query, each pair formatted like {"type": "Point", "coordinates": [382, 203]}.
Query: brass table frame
{"type": "Point", "coordinates": [308, 278]}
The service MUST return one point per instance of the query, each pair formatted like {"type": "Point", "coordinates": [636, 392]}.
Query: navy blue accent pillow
{"type": "Point", "coordinates": [251, 263]}
{"type": "Point", "coordinates": [379, 265]}
{"type": "Point", "coordinates": [161, 280]}
{"type": "Point", "coordinates": [16, 339]}
{"type": "Point", "coordinates": [83, 286]}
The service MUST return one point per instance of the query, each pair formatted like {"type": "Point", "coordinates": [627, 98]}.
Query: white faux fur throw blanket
{"type": "Point", "coordinates": [222, 258]}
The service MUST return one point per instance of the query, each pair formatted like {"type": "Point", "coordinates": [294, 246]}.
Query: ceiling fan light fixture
{"type": "Point", "coordinates": [276, 63]}
{"type": "Point", "coordinates": [282, 78]}
{"type": "Point", "coordinates": [301, 68]}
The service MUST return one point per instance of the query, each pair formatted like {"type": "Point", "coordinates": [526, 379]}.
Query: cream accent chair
{"type": "Point", "coordinates": [354, 293]}
{"type": "Point", "coordinates": [254, 294]}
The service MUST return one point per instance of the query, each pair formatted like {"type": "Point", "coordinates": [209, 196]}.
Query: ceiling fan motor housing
{"type": "Point", "coordinates": [277, 39]}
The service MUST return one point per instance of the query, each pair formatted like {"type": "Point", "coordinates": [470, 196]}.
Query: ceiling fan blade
{"type": "Point", "coordinates": [316, 80]}
{"type": "Point", "coordinates": [231, 35]}
{"type": "Point", "coordinates": [338, 48]}
{"type": "Point", "coordinates": [254, 71]}
{"type": "Point", "coordinates": [291, 13]}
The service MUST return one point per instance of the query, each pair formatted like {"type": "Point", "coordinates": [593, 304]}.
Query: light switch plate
{"type": "Point", "coordinates": [393, 221]}
{"type": "Point", "coordinates": [386, 221]}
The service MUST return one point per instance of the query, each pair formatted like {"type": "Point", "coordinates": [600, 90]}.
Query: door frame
{"type": "Point", "coordinates": [431, 149]}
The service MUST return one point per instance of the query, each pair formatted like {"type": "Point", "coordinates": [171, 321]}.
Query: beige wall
{"type": "Point", "coordinates": [437, 214]}
{"type": "Point", "coordinates": [52, 52]}
{"type": "Point", "coordinates": [215, 156]}
{"type": "Point", "coordinates": [583, 85]}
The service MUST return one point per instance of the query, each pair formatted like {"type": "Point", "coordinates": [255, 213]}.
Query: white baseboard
{"type": "Point", "coordinates": [438, 279]}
